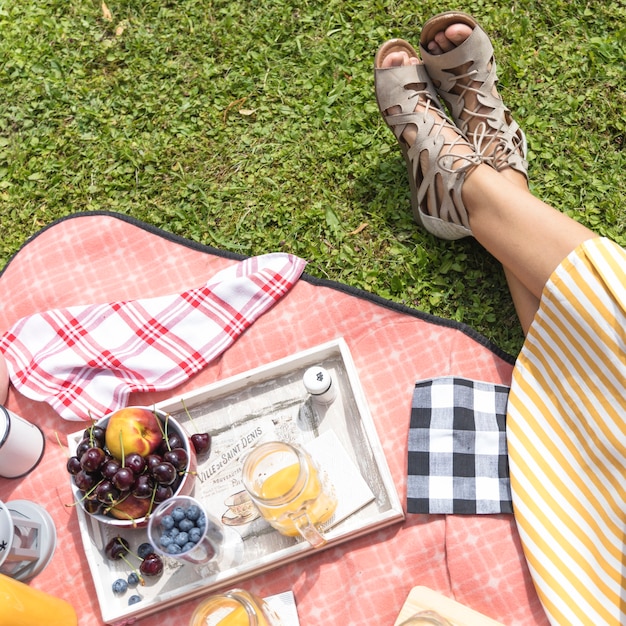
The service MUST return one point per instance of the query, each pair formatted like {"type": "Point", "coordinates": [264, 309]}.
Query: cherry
{"type": "Point", "coordinates": [201, 442]}
{"type": "Point", "coordinates": [109, 468]}
{"type": "Point", "coordinates": [152, 460]}
{"type": "Point", "coordinates": [107, 493]}
{"type": "Point", "coordinates": [93, 507]}
{"type": "Point", "coordinates": [116, 548]}
{"type": "Point", "coordinates": [73, 465]}
{"type": "Point", "coordinates": [152, 565]}
{"type": "Point", "coordinates": [92, 459]}
{"type": "Point", "coordinates": [144, 487]}
{"type": "Point", "coordinates": [177, 457]}
{"type": "Point", "coordinates": [96, 435]}
{"type": "Point", "coordinates": [84, 480]}
{"type": "Point", "coordinates": [124, 479]}
{"type": "Point", "coordinates": [135, 462]}
{"type": "Point", "coordinates": [172, 441]}
{"type": "Point", "coordinates": [162, 493]}
{"type": "Point", "coordinates": [82, 447]}
{"type": "Point", "coordinates": [164, 473]}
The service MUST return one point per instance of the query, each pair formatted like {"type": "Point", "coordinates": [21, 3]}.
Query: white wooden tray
{"type": "Point", "coordinates": [266, 403]}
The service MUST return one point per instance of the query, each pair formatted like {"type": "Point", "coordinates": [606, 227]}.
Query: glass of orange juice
{"type": "Point", "coordinates": [236, 607]}
{"type": "Point", "coordinates": [289, 490]}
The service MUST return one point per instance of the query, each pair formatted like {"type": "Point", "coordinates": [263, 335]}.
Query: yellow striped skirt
{"type": "Point", "coordinates": [566, 435]}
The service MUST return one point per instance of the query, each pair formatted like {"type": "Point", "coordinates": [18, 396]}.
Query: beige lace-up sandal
{"type": "Point", "coordinates": [488, 123]}
{"type": "Point", "coordinates": [436, 167]}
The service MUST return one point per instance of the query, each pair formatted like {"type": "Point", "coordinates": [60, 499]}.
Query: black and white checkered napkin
{"type": "Point", "coordinates": [458, 459]}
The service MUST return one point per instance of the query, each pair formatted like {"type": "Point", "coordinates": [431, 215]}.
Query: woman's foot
{"type": "Point", "coordinates": [439, 158]}
{"type": "Point", "coordinates": [459, 58]}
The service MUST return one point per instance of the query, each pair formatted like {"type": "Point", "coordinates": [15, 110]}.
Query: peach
{"type": "Point", "coordinates": [133, 429]}
{"type": "Point", "coordinates": [131, 508]}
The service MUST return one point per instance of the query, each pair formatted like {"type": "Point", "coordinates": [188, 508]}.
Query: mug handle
{"type": "Point", "coordinates": [307, 529]}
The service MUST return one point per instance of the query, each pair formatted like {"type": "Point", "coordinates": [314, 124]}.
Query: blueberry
{"type": "Point", "coordinates": [134, 599]}
{"type": "Point", "coordinates": [181, 539]}
{"type": "Point", "coordinates": [120, 586]}
{"type": "Point", "coordinates": [165, 540]}
{"type": "Point", "coordinates": [189, 545]}
{"type": "Point", "coordinates": [169, 521]}
{"type": "Point", "coordinates": [178, 513]}
{"type": "Point", "coordinates": [144, 550]}
{"type": "Point", "coordinates": [186, 525]}
{"type": "Point", "coordinates": [201, 522]}
{"type": "Point", "coordinates": [173, 548]}
{"type": "Point", "coordinates": [133, 579]}
{"type": "Point", "coordinates": [194, 512]}
{"type": "Point", "coordinates": [195, 534]}
{"type": "Point", "coordinates": [171, 533]}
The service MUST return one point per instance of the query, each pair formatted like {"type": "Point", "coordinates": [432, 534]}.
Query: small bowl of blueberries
{"type": "Point", "coordinates": [182, 529]}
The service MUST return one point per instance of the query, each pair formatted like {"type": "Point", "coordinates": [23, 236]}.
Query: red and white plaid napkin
{"type": "Point", "coordinates": [85, 360]}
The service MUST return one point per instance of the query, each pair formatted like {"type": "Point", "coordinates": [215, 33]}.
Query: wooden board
{"type": "Point", "coordinates": [423, 599]}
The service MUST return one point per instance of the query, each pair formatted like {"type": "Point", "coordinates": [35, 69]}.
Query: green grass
{"type": "Point", "coordinates": [252, 126]}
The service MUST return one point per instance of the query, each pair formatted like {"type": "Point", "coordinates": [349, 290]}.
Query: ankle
{"type": "Point", "coordinates": [515, 177]}
{"type": "Point", "coordinates": [477, 183]}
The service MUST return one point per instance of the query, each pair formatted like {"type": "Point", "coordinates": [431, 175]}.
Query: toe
{"type": "Point", "coordinates": [443, 42]}
{"type": "Point", "coordinates": [396, 59]}
{"type": "Point", "coordinates": [433, 47]}
{"type": "Point", "coordinates": [456, 34]}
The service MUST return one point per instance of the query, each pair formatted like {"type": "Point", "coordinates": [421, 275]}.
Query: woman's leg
{"type": "Point", "coordinates": [525, 302]}
{"type": "Point", "coordinates": [526, 235]}
{"type": "Point", "coordinates": [525, 276]}
{"type": "Point", "coordinates": [529, 237]}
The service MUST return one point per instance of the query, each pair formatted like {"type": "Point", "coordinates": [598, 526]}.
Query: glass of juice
{"type": "Point", "coordinates": [289, 490]}
{"type": "Point", "coordinates": [236, 607]}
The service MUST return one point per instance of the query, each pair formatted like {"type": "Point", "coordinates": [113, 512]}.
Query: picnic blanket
{"type": "Point", "coordinates": [475, 559]}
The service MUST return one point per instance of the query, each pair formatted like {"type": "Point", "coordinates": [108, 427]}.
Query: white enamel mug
{"type": "Point", "coordinates": [21, 445]}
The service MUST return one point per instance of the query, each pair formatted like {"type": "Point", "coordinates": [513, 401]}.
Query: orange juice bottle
{"type": "Point", "coordinates": [22, 605]}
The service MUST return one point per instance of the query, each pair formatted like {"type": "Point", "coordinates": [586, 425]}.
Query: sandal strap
{"type": "Point", "coordinates": [443, 169]}
{"type": "Point", "coordinates": [396, 87]}
{"type": "Point", "coordinates": [495, 126]}
{"type": "Point", "coordinates": [438, 184]}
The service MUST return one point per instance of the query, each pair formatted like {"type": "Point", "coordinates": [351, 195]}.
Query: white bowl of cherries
{"type": "Point", "coordinates": [130, 461]}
